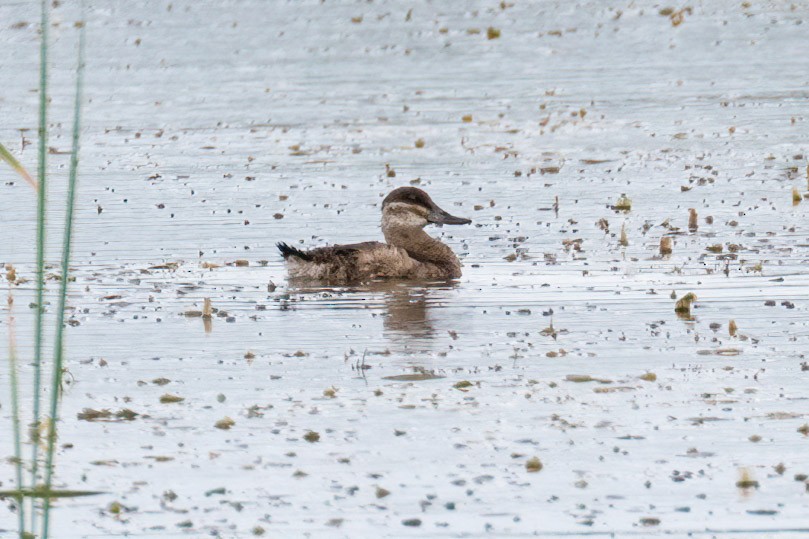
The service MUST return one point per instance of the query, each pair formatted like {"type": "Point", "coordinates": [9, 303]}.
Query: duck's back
{"type": "Point", "coordinates": [349, 263]}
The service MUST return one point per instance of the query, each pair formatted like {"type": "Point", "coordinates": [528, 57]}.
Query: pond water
{"type": "Point", "coordinates": [214, 129]}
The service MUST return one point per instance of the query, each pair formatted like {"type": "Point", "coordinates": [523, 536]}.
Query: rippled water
{"type": "Point", "coordinates": [214, 130]}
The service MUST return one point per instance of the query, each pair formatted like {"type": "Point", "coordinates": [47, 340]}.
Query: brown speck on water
{"type": "Point", "coordinates": [330, 392]}
{"type": "Point", "coordinates": [170, 399]}
{"type": "Point", "coordinates": [466, 118]}
{"type": "Point", "coordinates": [583, 378]}
{"type": "Point", "coordinates": [624, 204]}
{"type": "Point", "coordinates": [311, 437]}
{"type": "Point", "coordinates": [623, 241]}
{"type": "Point", "coordinates": [796, 196]}
{"type": "Point", "coordinates": [463, 384]}
{"type": "Point", "coordinates": [648, 377]}
{"type": "Point", "coordinates": [492, 33]}
{"type": "Point", "coordinates": [419, 143]}
{"type": "Point", "coordinates": [732, 328]}
{"type": "Point", "coordinates": [533, 465]}
{"type": "Point", "coordinates": [746, 480]}
{"type": "Point", "coordinates": [693, 220]}
{"type": "Point", "coordinates": [804, 429]}
{"type": "Point", "coordinates": [381, 492]}
{"type": "Point", "coordinates": [683, 305]}
{"type": "Point", "coordinates": [649, 521]}
{"type": "Point", "coordinates": [224, 424]}
{"type": "Point", "coordinates": [413, 522]}
{"type": "Point", "coordinates": [665, 245]}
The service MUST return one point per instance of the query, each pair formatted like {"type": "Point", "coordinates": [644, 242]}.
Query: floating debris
{"type": "Point", "coordinates": [683, 305]}
{"type": "Point", "coordinates": [89, 414]}
{"type": "Point", "coordinates": [582, 378]}
{"type": "Point", "coordinates": [533, 465]}
{"type": "Point", "coordinates": [311, 437]}
{"type": "Point", "coordinates": [746, 481]}
{"type": "Point", "coordinates": [693, 220]}
{"type": "Point", "coordinates": [624, 204]}
{"type": "Point", "coordinates": [463, 384]}
{"type": "Point", "coordinates": [796, 196]}
{"type": "Point", "coordinates": [415, 377]}
{"type": "Point", "coordinates": [623, 241]}
{"type": "Point", "coordinates": [665, 245]}
{"type": "Point", "coordinates": [170, 399]}
{"type": "Point", "coordinates": [225, 423]}
{"type": "Point", "coordinates": [492, 33]}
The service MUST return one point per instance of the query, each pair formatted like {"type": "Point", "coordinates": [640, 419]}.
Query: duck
{"type": "Point", "coordinates": [409, 253]}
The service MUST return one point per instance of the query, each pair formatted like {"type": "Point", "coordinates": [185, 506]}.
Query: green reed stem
{"type": "Point", "coordinates": [58, 347]}
{"type": "Point", "coordinates": [15, 413]}
{"type": "Point", "coordinates": [40, 281]}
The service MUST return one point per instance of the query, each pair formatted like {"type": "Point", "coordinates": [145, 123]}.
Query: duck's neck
{"type": "Point", "coordinates": [423, 247]}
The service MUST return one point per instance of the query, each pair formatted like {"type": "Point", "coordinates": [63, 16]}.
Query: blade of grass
{"type": "Point", "coordinates": [40, 280]}
{"type": "Point", "coordinates": [6, 156]}
{"type": "Point", "coordinates": [58, 347]}
{"type": "Point", "coordinates": [15, 411]}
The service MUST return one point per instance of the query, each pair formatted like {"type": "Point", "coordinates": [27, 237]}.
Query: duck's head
{"type": "Point", "coordinates": [410, 207]}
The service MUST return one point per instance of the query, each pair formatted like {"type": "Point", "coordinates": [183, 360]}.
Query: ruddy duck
{"type": "Point", "coordinates": [410, 253]}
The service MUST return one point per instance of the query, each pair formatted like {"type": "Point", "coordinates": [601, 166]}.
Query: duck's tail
{"type": "Point", "coordinates": [287, 251]}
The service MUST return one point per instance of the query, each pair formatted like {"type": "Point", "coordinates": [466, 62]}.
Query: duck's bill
{"type": "Point", "coordinates": [440, 217]}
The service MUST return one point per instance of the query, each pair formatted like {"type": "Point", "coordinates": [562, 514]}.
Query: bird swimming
{"type": "Point", "coordinates": [409, 252]}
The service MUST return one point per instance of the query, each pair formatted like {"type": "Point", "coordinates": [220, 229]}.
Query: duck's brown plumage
{"type": "Point", "coordinates": [409, 253]}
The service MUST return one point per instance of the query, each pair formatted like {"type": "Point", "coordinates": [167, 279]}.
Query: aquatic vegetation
{"type": "Point", "coordinates": [47, 425]}
{"type": "Point", "coordinates": [7, 156]}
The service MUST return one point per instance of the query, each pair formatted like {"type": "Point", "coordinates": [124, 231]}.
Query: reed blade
{"type": "Point", "coordinates": [7, 156]}
{"type": "Point", "coordinates": [58, 347]}
{"type": "Point", "coordinates": [40, 263]}
{"type": "Point", "coordinates": [15, 411]}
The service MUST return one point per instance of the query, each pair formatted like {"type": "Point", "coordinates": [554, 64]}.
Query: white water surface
{"type": "Point", "coordinates": [213, 130]}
